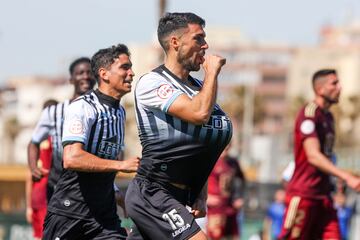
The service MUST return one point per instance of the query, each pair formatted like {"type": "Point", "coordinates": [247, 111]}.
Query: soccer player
{"type": "Point", "coordinates": [225, 197]}
{"type": "Point", "coordinates": [182, 132]}
{"type": "Point", "coordinates": [51, 124]}
{"type": "Point", "coordinates": [36, 192]}
{"type": "Point", "coordinates": [83, 205]}
{"type": "Point", "coordinates": [310, 213]}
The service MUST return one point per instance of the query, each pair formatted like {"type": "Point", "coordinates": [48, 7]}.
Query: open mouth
{"type": "Point", "coordinates": [201, 57]}
{"type": "Point", "coordinates": [128, 82]}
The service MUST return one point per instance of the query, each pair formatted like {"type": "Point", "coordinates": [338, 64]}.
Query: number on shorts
{"type": "Point", "coordinates": [174, 219]}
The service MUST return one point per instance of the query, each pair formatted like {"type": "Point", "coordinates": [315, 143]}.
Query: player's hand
{"type": "Point", "coordinates": [353, 182]}
{"type": "Point", "coordinates": [38, 173]}
{"type": "Point", "coordinates": [198, 209]}
{"type": "Point", "coordinates": [213, 64]}
{"type": "Point", "coordinates": [129, 165]}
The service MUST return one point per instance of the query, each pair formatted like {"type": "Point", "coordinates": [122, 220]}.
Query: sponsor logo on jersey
{"type": "Point", "coordinates": [218, 122]}
{"type": "Point", "coordinates": [180, 230]}
{"type": "Point", "coordinates": [164, 91]}
{"type": "Point", "coordinates": [109, 148]}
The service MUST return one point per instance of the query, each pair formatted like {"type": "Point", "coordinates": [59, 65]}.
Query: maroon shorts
{"type": "Point", "coordinates": [220, 226]}
{"type": "Point", "coordinates": [309, 219]}
{"type": "Point", "coordinates": [38, 218]}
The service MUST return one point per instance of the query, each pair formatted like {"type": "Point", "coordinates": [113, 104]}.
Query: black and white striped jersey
{"type": "Point", "coordinates": [175, 150]}
{"type": "Point", "coordinates": [97, 121]}
{"type": "Point", "coordinates": [51, 124]}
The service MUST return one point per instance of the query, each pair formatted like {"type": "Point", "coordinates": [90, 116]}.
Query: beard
{"type": "Point", "coordinates": [331, 100]}
{"type": "Point", "coordinates": [187, 63]}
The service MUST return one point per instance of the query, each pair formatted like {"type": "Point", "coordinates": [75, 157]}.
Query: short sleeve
{"type": "Point", "coordinates": [79, 118]}
{"type": "Point", "coordinates": [43, 127]}
{"type": "Point", "coordinates": [307, 126]}
{"type": "Point", "coordinates": [154, 91]}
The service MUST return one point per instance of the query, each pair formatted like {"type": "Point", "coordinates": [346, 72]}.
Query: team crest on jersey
{"type": "Point", "coordinates": [164, 91]}
{"type": "Point", "coordinates": [307, 126]}
{"type": "Point", "coordinates": [76, 126]}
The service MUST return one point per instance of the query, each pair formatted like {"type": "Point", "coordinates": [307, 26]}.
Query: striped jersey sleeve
{"type": "Point", "coordinates": [78, 121]}
{"type": "Point", "coordinates": [153, 91]}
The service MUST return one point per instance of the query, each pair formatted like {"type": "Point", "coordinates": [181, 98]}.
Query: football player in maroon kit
{"type": "Point", "coordinates": [225, 197]}
{"type": "Point", "coordinates": [309, 209]}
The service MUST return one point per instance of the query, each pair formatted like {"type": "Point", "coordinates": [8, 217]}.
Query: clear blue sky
{"type": "Point", "coordinates": [40, 37]}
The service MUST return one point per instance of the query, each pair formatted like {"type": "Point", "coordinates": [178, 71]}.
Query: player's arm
{"type": "Point", "coordinates": [198, 109]}
{"type": "Point", "coordinates": [28, 190]}
{"type": "Point", "coordinates": [320, 161]}
{"type": "Point", "coordinates": [238, 187]}
{"type": "Point", "coordinates": [199, 207]}
{"type": "Point", "coordinates": [76, 158]}
{"type": "Point", "coordinates": [33, 156]}
{"type": "Point", "coordinates": [78, 122]}
{"type": "Point", "coordinates": [41, 132]}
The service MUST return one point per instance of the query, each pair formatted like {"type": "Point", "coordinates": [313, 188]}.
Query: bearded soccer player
{"type": "Point", "coordinates": [309, 209]}
{"type": "Point", "coordinates": [182, 131]}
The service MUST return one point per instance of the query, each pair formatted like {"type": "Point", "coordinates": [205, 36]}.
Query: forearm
{"type": "Point", "coordinates": [204, 101]}
{"type": "Point", "coordinates": [87, 162]}
{"type": "Point", "coordinates": [238, 188]}
{"type": "Point", "coordinates": [321, 162]}
{"type": "Point", "coordinates": [28, 190]}
{"type": "Point", "coordinates": [33, 155]}
{"type": "Point", "coordinates": [199, 207]}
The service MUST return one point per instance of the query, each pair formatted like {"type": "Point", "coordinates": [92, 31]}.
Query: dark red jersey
{"type": "Point", "coordinates": [221, 184]}
{"type": "Point", "coordinates": [308, 181]}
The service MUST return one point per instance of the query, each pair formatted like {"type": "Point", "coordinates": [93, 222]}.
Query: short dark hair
{"type": "Point", "coordinates": [172, 22]}
{"type": "Point", "coordinates": [320, 74]}
{"type": "Point", "coordinates": [105, 57]}
{"type": "Point", "coordinates": [77, 62]}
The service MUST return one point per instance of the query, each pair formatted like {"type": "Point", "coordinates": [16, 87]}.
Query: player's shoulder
{"type": "Point", "coordinates": [86, 98]}
{"type": "Point", "coordinates": [307, 118]}
{"type": "Point", "coordinates": [309, 110]}
{"type": "Point", "coordinates": [149, 77]}
{"type": "Point", "coordinates": [51, 111]}
{"type": "Point", "coordinates": [86, 102]}
{"type": "Point", "coordinates": [148, 82]}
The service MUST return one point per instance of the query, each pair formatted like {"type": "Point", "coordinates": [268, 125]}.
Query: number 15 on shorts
{"type": "Point", "coordinates": [174, 219]}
